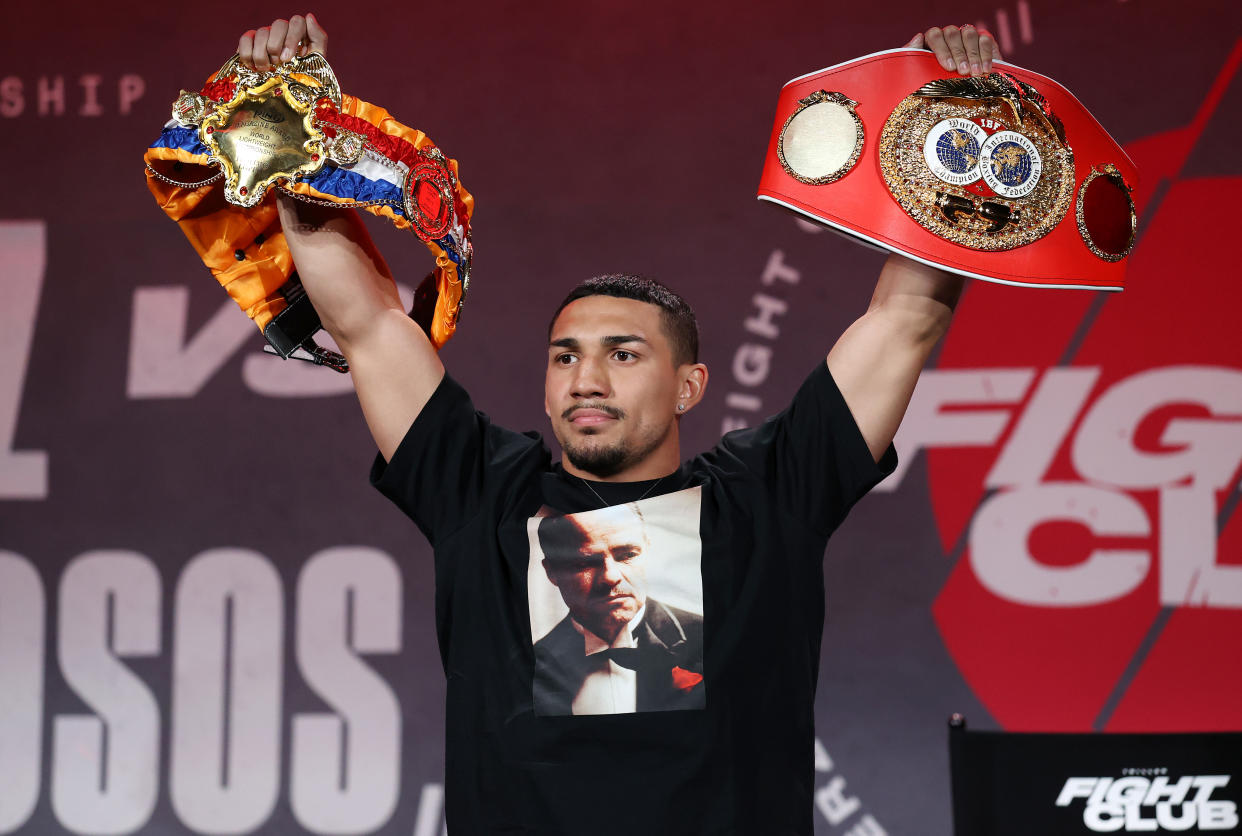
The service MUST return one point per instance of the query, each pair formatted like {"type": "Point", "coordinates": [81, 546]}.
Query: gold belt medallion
{"type": "Point", "coordinates": [981, 162]}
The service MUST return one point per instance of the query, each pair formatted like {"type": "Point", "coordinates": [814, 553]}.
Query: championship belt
{"type": "Point", "coordinates": [291, 128]}
{"type": "Point", "coordinates": [1005, 177]}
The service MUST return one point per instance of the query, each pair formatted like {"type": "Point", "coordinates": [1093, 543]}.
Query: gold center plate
{"type": "Point", "coordinates": [264, 135]}
{"type": "Point", "coordinates": [957, 213]}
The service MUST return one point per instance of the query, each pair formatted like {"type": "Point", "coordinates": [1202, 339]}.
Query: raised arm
{"type": "Point", "coordinates": [877, 361]}
{"type": "Point", "coordinates": [395, 369]}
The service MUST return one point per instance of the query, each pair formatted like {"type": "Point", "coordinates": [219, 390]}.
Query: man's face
{"type": "Point", "coordinates": [611, 386]}
{"type": "Point", "coordinates": [603, 580]}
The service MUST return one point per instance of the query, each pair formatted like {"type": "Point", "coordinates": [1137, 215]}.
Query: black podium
{"type": "Point", "coordinates": [1015, 784]}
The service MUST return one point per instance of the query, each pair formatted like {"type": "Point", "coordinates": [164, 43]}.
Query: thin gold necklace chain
{"type": "Point", "coordinates": [604, 503]}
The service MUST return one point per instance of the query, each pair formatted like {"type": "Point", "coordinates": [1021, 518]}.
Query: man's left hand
{"type": "Point", "coordinates": [966, 49]}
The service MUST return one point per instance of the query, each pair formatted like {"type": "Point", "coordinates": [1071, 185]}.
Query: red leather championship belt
{"type": "Point", "coordinates": [247, 132]}
{"type": "Point", "coordinates": [1004, 177]}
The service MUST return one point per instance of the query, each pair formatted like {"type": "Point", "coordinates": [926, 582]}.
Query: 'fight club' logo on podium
{"type": "Point", "coordinates": [1136, 803]}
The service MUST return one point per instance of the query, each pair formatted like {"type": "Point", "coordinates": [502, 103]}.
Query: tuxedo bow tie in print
{"type": "Point", "coordinates": [641, 658]}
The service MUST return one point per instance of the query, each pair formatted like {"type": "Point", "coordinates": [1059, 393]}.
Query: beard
{"type": "Point", "coordinates": [600, 461]}
{"type": "Point", "coordinates": [605, 460]}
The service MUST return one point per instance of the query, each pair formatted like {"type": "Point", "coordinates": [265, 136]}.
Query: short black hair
{"type": "Point", "coordinates": [680, 325]}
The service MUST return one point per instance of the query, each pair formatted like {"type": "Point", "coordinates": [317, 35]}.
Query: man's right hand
{"type": "Point", "coordinates": [270, 46]}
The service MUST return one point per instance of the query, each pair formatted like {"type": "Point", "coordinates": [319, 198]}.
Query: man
{"type": "Point", "coordinates": [618, 650]}
{"type": "Point", "coordinates": [622, 371]}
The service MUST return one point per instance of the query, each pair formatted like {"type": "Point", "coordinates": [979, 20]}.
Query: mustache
{"type": "Point", "coordinates": [607, 409]}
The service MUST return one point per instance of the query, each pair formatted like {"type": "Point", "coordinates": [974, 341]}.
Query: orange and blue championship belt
{"type": "Point", "coordinates": [247, 131]}
{"type": "Point", "coordinates": [1004, 177]}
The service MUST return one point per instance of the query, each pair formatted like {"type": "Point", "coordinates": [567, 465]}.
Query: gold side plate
{"type": "Point", "coordinates": [1109, 171]}
{"type": "Point", "coordinates": [821, 140]}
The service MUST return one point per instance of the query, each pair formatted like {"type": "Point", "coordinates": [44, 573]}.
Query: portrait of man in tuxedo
{"type": "Point", "coordinates": [619, 650]}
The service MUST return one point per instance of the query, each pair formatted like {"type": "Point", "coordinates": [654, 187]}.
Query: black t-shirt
{"type": "Point", "coordinates": [714, 733]}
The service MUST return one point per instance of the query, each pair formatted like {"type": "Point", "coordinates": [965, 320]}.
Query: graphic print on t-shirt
{"type": "Point", "coordinates": [616, 608]}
